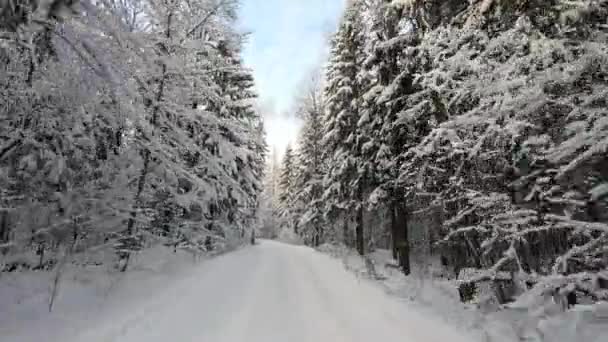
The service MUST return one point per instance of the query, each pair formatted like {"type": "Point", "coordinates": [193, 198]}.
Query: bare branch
{"type": "Point", "coordinates": [205, 19]}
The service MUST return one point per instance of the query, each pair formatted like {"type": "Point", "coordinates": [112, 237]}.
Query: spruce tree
{"type": "Point", "coordinates": [345, 180]}
{"type": "Point", "coordinates": [390, 76]}
{"type": "Point", "coordinates": [286, 187]}
{"type": "Point", "coordinates": [308, 183]}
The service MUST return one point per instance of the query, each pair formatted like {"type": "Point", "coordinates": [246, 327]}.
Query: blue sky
{"type": "Point", "coordinates": [288, 40]}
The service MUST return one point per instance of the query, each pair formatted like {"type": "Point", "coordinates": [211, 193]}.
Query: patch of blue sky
{"type": "Point", "coordinates": [288, 39]}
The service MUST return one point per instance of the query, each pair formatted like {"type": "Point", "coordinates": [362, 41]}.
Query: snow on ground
{"type": "Point", "coordinates": [271, 292]}
{"type": "Point", "coordinates": [439, 297]}
{"type": "Point", "coordinates": [85, 293]}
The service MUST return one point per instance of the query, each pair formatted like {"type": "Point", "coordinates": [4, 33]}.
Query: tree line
{"type": "Point", "coordinates": [124, 124]}
{"type": "Point", "coordinates": [473, 133]}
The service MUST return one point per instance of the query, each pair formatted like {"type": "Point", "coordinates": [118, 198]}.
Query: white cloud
{"type": "Point", "coordinates": [288, 40]}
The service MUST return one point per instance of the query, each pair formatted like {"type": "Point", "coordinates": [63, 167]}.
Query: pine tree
{"type": "Point", "coordinates": [390, 76]}
{"type": "Point", "coordinates": [346, 177]}
{"type": "Point", "coordinates": [308, 182]}
{"type": "Point", "coordinates": [236, 91]}
{"type": "Point", "coordinates": [286, 186]}
{"type": "Point", "coordinates": [274, 176]}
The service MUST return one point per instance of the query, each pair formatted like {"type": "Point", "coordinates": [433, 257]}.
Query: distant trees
{"type": "Point", "coordinates": [286, 184]}
{"type": "Point", "coordinates": [119, 133]}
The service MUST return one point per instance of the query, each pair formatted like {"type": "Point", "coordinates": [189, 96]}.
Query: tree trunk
{"type": "Point", "coordinates": [41, 254]}
{"type": "Point", "coordinates": [402, 238]}
{"type": "Point", "coordinates": [141, 182]}
{"type": "Point", "coordinates": [394, 230]}
{"type": "Point", "coordinates": [4, 226]}
{"type": "Point", "coordinates": [319, 233]}
{"type": "Point", "coordinates": [345, 232]}
{"type": "Point", "coordinates": [359, 232]}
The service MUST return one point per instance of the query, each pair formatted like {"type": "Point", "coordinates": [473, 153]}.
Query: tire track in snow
{"type": "Point", "coordinates": [272, 293]}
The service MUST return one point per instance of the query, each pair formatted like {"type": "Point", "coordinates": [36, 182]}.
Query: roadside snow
{"type": "Point", "coordinates": [85, 294]}
{"type": "Point", "coordinates": [439, 297]}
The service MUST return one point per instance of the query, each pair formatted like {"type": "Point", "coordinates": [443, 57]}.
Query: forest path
{"type": "Point", "coordinates": [272, 292]}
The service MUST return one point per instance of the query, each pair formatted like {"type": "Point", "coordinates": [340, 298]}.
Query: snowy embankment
{"type": "Point", "coordinates": [85, 293]}
{"type": "Point", "coordinates": [531, 318]}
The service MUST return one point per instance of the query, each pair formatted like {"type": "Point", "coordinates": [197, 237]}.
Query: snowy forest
{"type": "Point", "coordinates": [465, 139]}
{"type": "Point", "coordinates": [472, 135]}
{"type": "Point", "coordinates": [124, 123]}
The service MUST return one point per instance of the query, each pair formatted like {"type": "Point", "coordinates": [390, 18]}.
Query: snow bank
{"type": "Point", "coordinates": [85, 294]}
{"type": "Point", "coordinates": [525, 320]}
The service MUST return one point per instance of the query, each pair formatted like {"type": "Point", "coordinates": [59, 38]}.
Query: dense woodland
{"type": "Point", "coordinates": [467, 133]}
{"type": "Point", "coordinates": [124, 124]}
{"type": "Point", "coordinates": [472, 133]}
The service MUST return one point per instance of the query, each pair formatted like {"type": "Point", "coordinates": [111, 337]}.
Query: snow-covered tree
{"type": "Point", "coordinates": [126, 132]}
{"type": "Point", "coordinates": [286, 183]}
{"type": "Point", "coordinates": [346, 177]}
{"type": "Point", "coordinates": [310, 167]}
{"type": "Point", "coordinates": [389, 72]}
{"type": "Point", "coordinates": [479, 123]}
{"type": "Point", "coordinates": [493, 160]}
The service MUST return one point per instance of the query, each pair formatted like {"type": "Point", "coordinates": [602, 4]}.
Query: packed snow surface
{"type": "Point", "coordinates": [269, 292]}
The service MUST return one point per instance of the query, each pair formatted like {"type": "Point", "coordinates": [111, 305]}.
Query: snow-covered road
{"type": "Point", "coordinates": [272, 292]}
